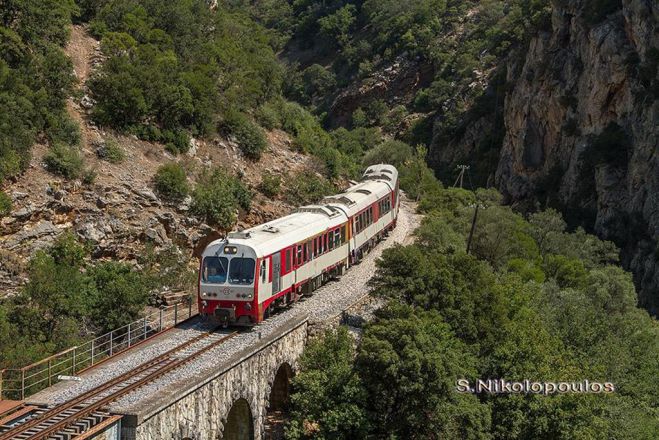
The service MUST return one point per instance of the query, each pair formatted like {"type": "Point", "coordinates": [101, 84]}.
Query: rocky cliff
{"type": "Point", "coordinates": [580, 120]}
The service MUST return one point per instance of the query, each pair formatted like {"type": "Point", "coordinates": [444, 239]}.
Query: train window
{"type": "Point", "coordinates": [337, 238]}
{"type": "Point", "coordinates": [330, 240]}
{"type": "Point", "coordinates": [289, 266]}
{"type": "Point", "coordinates": [343, 234]}
{"type": "Point", "coordinates": [214, 270]}
{"type": "Point", "coordinates": [241, 271]}
{"type": "Point", "coordinates": [299, 255]}
{"type": "Point", "coordinates": [263, 271]}
{"type": "Point", "coordinates": [307, 251]}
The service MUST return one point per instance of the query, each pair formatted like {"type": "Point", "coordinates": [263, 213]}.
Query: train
{"type": "Point", "coordinates": [248, 274]}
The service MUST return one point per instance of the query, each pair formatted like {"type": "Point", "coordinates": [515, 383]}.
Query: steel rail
{"type": "Point", "coordinates": [163, 364]}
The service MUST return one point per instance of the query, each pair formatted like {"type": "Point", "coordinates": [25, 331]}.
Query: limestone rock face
{"type": "Point", "coordinates": [575, 127]}
{"type": "Point", "coordinates": [576, 81]}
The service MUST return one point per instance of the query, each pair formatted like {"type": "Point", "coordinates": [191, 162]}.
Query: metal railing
{"type": "Point", "coordinates": [23, 382]}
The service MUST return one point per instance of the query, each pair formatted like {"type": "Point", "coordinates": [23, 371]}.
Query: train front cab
{"type": "Point", "coordinates": [228, 284]}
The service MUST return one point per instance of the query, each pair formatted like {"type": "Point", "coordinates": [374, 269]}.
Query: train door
{"type": "Point", "coordinates": [276, 272]}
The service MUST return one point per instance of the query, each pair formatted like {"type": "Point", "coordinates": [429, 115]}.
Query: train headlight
{"type": "Point", "coordinates": [248, 306]}
{"type": "Point", "coordinates": [204, 304]}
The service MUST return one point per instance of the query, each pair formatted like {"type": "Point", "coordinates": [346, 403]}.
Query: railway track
{"type": "Point", "coordinates": [87, 414]}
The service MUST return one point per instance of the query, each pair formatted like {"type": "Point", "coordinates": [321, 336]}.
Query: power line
{"type": "Point", "coordinates": [460, 178]}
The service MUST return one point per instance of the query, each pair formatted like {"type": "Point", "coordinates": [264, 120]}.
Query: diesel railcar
{"type": "Point", "coordinates": [244, 276]}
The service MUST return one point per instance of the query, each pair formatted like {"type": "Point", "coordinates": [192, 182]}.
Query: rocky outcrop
{"type": "Point", "coordinates": [581, 124]}
{"type": "Point", "coordinates": [395, 83]}
{"type": "Point", "coordinates": [580, 118]}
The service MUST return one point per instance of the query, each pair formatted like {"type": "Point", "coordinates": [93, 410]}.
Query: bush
{"type": "Point", "coordinates": [65, 130]}
{"type": "Point", "coordinates": [250, 137]}
{"type": "Point", "coordinates": [111, 152]}
{"type": "Point", "coordinates": [359, 118]}
{"type": "Point", "coordinates": [120, 295]}
{"type": "Point", "coordinates": [178, 139]}
{"type": "Point", "coordinates": [217, 198]}
{"type": "Point", "coordinates": [5, 204]}
{"type": "Point", "coordinates": [89, 176]}
{"type": "Point", "coordinates": [270, 184]}
{"type": "Point", "coordinates": [170, 182]}
{"type": "Point", "coordinates": [306, 188]}
{"type": "Point", "coordinates": [10, 165]}
{"type": "Point", "coordinates": [392, 152]}
{"type": "Point", "coordinates": [64, 160]}
{"type": "Point", "coordinates": [268, 116]}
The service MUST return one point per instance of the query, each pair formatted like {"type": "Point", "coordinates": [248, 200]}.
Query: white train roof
{"type": "Point", "coordinates": [312, 220]}
{"type": "Point", "coordinates": [271, 237]}
{"type": "Point", "coordinates": [378, 181]}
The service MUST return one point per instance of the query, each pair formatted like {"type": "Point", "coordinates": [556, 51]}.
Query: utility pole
{"type": "Point", "coordinates": [473, 227]}
{"type": "Point", "coordinates": [460, 178]}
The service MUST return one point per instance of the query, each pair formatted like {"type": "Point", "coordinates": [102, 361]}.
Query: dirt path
{"type": "Point", "coordinates": [82, 50]}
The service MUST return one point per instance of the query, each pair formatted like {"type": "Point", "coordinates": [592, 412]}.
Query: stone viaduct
{"type": "Point", "coordinates": [229, 403]}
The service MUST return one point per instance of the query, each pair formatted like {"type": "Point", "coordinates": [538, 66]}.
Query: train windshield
{"type": "Point", "coordinates": [214, 270]}
{"type": "Point", "coordinates": [241, 271]}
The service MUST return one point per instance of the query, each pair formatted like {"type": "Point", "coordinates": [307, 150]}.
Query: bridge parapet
{"type": "Point", "coordinates": [200, 407]}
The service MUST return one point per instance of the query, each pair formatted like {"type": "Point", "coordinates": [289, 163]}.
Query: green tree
{"type": "Point", "coordinates": [58, 290]}
{"type": "Point", "coordinates": [336, 27]}
{"type": "Point", "coordinates": [328, 400]}
{"type": "Point", "coordinates": [120, 295]}
{"type": "Point", "coordinates": [410, 362]}
{"type": "Point", "coordinates": [392, 152]}
{"type": "Point", "coordinates": [458, 286]}
{"type": "Point", "coordinates": [217, 198]}
{"type": "Point", "coordinates": [306, 188]}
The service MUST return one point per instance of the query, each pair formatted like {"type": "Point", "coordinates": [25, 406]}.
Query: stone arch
{"type": "Point", "coordinates": [277, 405]}
{"type": "Point", "coordinates": [240, 423]}
{"type": "Point", "coordinates": [280, 389]}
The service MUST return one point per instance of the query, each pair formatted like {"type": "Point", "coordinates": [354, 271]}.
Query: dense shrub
{"type": "Point", "coordinates": [176, 64]}
{"type": "Point", "coordinates": [306, 188]}
{"type": "Point", "coordinates": [268, 116]}
{"type": "Point", "coordinates": [111, 152]}
{"type": "Point", "coordinates": [250, 137]}
{"type": "Point", "coordinates": [120, 295]}
{"type": "Point", "coordinates": [392, 152]}
{"type": "Point", "coordinates": [170, 182]}
{"type": "Point", "coordinates": [5, 204]}
{"type": "Point", "coordinates": [270, 184]}
{"type": "Point", "coordinates": [35, 79]}
{"type": "Point", "coordinates": [65, 160]}
{"type": "Point", "coordinates": [217, 198]}
{"type": "Point", "coordinates": [66, 300]}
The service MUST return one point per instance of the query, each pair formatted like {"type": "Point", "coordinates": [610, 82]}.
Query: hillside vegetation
{"type": "Point", "coordinates": [347, 83]}
{"type": "Point", "coordinates": [530, 301]}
